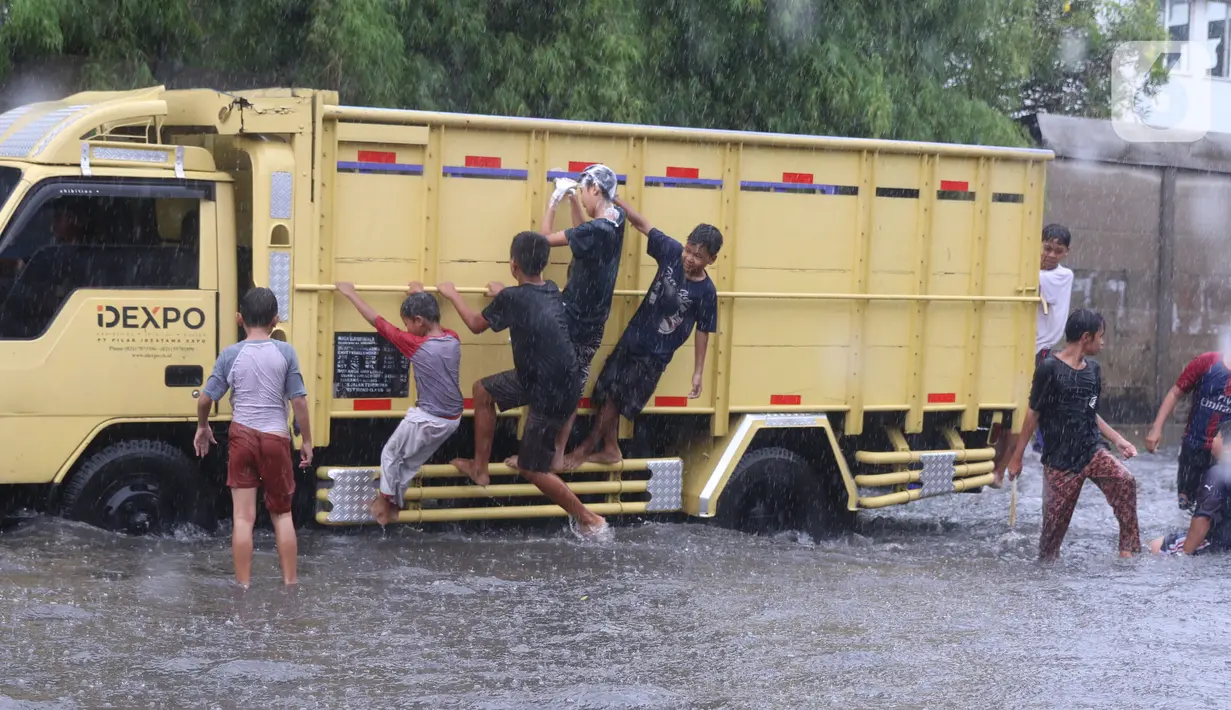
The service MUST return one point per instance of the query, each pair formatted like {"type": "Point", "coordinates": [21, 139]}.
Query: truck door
{"type": "Point", "coordinates": [110, 316]}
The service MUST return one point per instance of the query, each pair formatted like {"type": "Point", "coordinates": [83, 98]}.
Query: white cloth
{"type": "Point", "coordinates": [1056, 288]}
{"type": "Point", "coordinates": [412, 444]}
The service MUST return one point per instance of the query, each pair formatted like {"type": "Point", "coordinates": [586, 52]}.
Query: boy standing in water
{"type": "Point", "coordinates": [262, 374]}
{"type": "Point", "coordinates": [1056, 290]}
{"type": "Point", "coordinates": [1208, 378]}
{"type": "Point", "coordinates": [680, 296]}
{"type": "Point", "coordinates": [596, 246]}
{"type": "Point", "coordinates": [544, 376]}
{"type": "Point", "coordinates": [1208, 531]}
{"type": "Point", "coordinates": [436, 355]}
{"type": "Point", "coordinates": [1064, 405]}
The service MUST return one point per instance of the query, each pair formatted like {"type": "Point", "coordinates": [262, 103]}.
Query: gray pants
{"type": "Point", "coordinates": [414, 442]}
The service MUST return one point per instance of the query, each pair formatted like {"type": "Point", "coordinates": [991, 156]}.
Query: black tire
{"type": "Point", "coordinates": [775, 490]}
{"type": "Point", "coordinates": [137, 487]}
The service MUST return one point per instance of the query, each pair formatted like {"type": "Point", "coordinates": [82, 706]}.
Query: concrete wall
{"type": "Point", "coordinates": [1151, 251]}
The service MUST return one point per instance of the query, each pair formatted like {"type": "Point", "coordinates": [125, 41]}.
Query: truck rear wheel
{"type": "Point", "coordinates": [136, 487]}
{"type": "Point", "coordinates": [775, 490]}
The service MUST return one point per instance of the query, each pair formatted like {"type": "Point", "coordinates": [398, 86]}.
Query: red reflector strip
{"type": "Point", "coordinates": [785, 399]}
{"type": "Point", "coordinates": [377, 156]}
{"type": "Point", "coordinates": [942, 398]}
{"type": "Point", "coordinates": [482, 161]}
{"type": "Point", "coordinates": [683, 172]}
{"type": "Point", "coordinates": [797, 178]}
{"type": "Point", "coordinates": [576, 166]}
{"type": "Point", "coordinates": [373, 405]}
{"type": "Point", "coordinates": [585, 403]}
{"type": "Point", "coordinates": [670, 401]}
{"type": "Point", "coordinates": [955, 185]}
{"type": "Point", "coordinates": [467, 403]}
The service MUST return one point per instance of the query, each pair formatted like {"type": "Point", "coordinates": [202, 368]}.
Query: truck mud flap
{"type": "Point", "coordinates": [441, 494]}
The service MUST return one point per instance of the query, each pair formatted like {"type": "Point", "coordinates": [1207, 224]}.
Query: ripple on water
{"type": "Point", "coordinates": [263, 671]}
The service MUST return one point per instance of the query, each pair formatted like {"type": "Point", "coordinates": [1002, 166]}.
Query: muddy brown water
{"type": "Point", "coordinates": [934, 605]}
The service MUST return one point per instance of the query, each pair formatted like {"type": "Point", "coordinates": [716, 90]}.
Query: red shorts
{"type": "Point", "coordinates": [257, 459]}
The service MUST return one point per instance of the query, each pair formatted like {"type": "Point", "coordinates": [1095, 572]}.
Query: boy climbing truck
{"type": "Point", "coordinates": [867, 358]}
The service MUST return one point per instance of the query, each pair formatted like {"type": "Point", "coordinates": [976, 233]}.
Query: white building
{"type": "Point", "coordinates": [1206, 21]}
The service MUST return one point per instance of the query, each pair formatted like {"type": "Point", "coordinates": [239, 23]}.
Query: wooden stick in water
{"type": "Point", "coordinates": [1013, 503]}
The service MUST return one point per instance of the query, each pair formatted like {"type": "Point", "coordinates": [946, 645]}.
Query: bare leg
{"type": "Point", "coordinates": [558, 492]}
{"type": "Point", "coordinates": [484, 431]}
{"type": "Point", "coordinates": [557, 460]}
{"type": "Point", "coordinates": [288, 547]}
{"type": "Point", "coordinates": [244, 502]}
{"type": "Point", "coordinates": [610, 454]}
{"type": "Point", "coordinates": [607, 418]}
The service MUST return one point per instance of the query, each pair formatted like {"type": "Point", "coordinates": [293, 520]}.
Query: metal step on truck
{"type": "Point", "coordinates": [876, 303]}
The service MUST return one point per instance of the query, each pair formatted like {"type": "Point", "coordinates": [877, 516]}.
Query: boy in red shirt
{"type": "Point", "coordinates": [436, 355]}
{"type": "Point", "coordinates": [1208, 378]}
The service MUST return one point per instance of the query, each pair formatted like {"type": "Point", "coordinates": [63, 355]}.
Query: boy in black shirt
{"type": "Point", "coordinates": [1208, 530]}
{"type": "Point", "coordinates": [1064, 403]}
{"type": "Point", "coordinates": [596, 246]}
{"type": "Point", "coordinates": [544, 375]}
{"type": "Point", "coordinates": [680, 296]}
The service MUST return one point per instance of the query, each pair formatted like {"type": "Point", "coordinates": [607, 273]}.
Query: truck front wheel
{"type": "Point", "coordinates": [136, 487]}
{"type": "Point", "coordinates": [775, 490]}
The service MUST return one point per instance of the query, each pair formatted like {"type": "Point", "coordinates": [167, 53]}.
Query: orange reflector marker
{"type": "Point", "coordinates": [585, 403]}
{"type": "Point", "coordinates": [482, 161]}
{"type": "Point", "coordinates": [955, 185]}
{"type": "Point", "coordinates": [373, 405]}
{"type": "Point", "coordinates": [785, 399]}
{"type": "Point", "coordinates": [692, 173]}
{"type": "Point", "coordinates": [378, 156]}
{"type": "Point", "coordinates": [468, 403]}
{"type": "Point", "coordinates": [942, 398]}
{"type": "Point", "coordinates": [576, 166]}
{"type": "Point", "coordinates": [670, 401]}
{"type": "Point", "coordinates": [797, 178]}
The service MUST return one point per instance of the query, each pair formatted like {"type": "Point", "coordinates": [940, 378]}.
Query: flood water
{"type": "Point", "coordinates": [934, 605]}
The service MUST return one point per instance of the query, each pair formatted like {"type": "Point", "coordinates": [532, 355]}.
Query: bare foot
{"type": "Point", "coordinates": [472, 471]}
{"type": "Point", "coordinates": [997, 479]}
{"type": "Point", "coordinates": [379, 512]}
{"type": "Point", "coordinates": [606, 458]}
{"type": "Point", "coordinates": [591, 527]}
{"type": "Point", "coordinates": [511, 462]}
{"type": "Point", "coordinates": [573, 461]}
{"type": "Point", "coordinates": [1125, 554]}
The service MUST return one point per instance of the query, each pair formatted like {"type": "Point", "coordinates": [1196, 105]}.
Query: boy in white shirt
{"type": "Point", "coordinates": [1056, 289]}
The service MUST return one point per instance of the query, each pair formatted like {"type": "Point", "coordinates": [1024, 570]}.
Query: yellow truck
{"type": "Point", "coordinates": [877, 303]}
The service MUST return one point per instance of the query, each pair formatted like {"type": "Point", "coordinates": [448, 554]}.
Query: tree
{"type": "Point", "coordinates": [1071, 66]}
{"type": "Point", "coordinates": [941, 70]}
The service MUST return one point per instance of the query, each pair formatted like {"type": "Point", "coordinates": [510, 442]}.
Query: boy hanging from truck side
{"type": "Point", "coordinates": [544, 376]}
{"type": "Point", "coordinates": [435, 354]}
{"type": "Point", "coordinates": [680, 296]}
{"type": "Point", "coordinates": [596, 246]}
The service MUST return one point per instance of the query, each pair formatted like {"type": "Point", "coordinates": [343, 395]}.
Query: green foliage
{"type": "Point", "coordinates": [947, 70]}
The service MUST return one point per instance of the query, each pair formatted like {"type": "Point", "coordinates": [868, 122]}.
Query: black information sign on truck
{"type": "Point", "coordinates": [367, 365]}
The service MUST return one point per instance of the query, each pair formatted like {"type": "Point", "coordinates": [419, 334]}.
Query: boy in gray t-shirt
{"type": "Point", "coordinates": [436, 354]}
{"type": "Point", "coordinates": [263, 375]}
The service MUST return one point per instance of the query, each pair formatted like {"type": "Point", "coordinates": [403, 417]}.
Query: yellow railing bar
{"type": "Point", "coordinates": [904, 457]}
{"type": "Point", "coordinates": [498, 512]}
{"type": "Point", "coordinates": [877, 480]}
{"type": "Point", "coordinates": [401, 288]}
{"type": "Point", "coordinates": [444, 470]}
{"type": "Point", "coordinates": [619, 130]}
{"type": "Point", "coordinates": [959, 485]}
{"type": "Point", "coordinates": [509, 490]}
